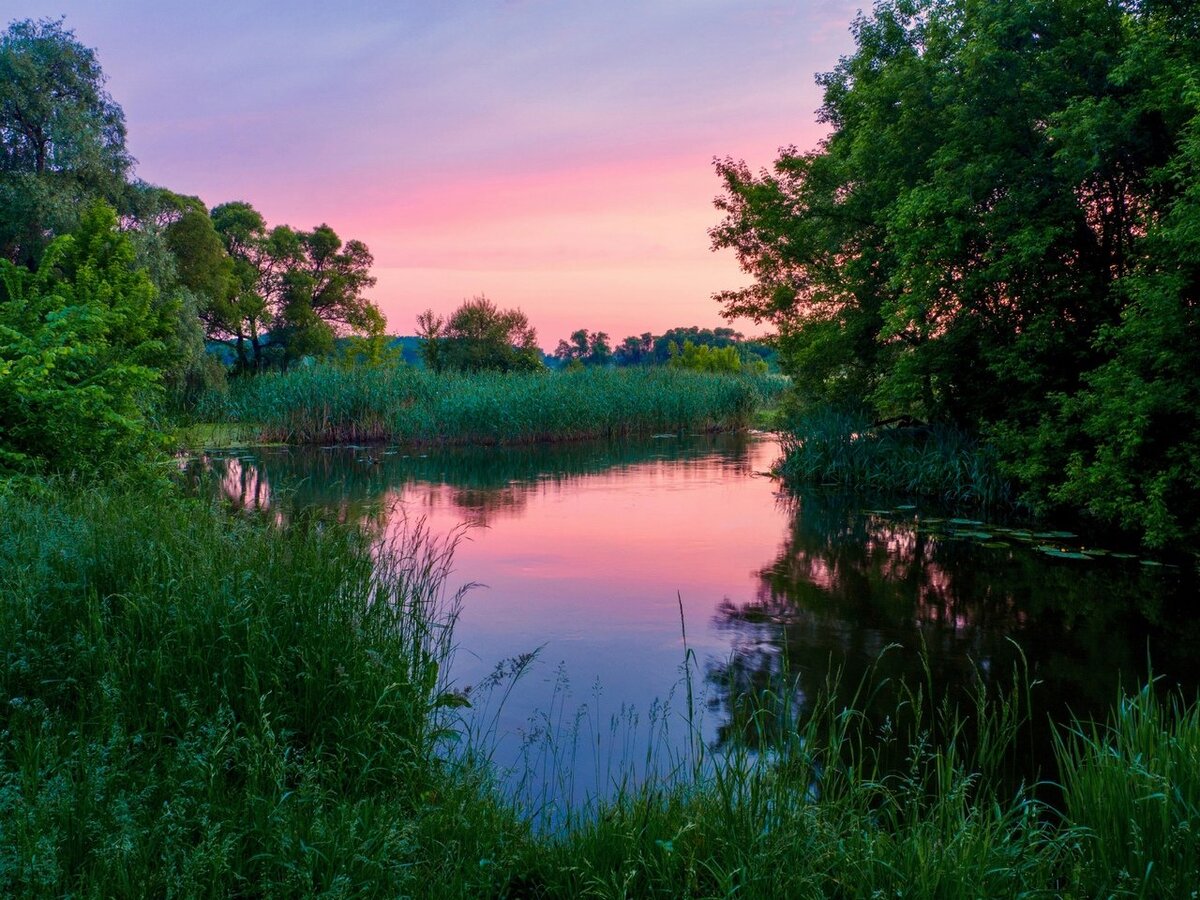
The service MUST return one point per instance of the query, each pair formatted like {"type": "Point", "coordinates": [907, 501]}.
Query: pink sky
{"type": "Point", "coordinates": [554, 155]}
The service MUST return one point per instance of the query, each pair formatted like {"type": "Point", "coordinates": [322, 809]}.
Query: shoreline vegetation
{"type": "Point", "coordinates": [215, 704]}
{"type": "Point", "coordinates": [325, 404]}
{"type": "Point", "coordinates": [1000, 233]}
{"type": "Point", "coordinates": [827, 446]}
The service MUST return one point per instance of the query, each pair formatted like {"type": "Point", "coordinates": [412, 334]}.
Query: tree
{"type": "Point", "coordinates": [971, 236]}
{"type": "Point", "coordinates": [585, 349]}
{"type": "Point", "coordinates": [82, 347]}
{"type": "Point", "coordinates": [479, 336]}
{"type": "Point", "coordinates": [293, 291]}
{"type": "Point", "coordinates": [62, 137]}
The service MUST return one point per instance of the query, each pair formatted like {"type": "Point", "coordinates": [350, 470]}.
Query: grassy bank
{"type": "Point", "coordinates": [842, 448]}
{"type": "Point", "coordinates": [200, 704]}
{"type": "Point", "coordinates": [323, 404]}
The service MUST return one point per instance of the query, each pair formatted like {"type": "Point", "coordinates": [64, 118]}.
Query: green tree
{"type": "Point", "coordinates": [586, 349]}
{"type": "Point", "coordinates": [82, 347]}
{"type": "Point", "coordinates": [479, 336]}
{"type": "Point", "coordinates": [62, 138]}
{"type": "Point", "coordinates": [293, 291]}
{"type": "Point", "coordinates": [704, 358]}
{"type": "Point", "coordinates": [970, 238]}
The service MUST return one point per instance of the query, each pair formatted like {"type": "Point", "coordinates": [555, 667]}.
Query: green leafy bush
{"type": "Point", "coordinates": [82, 343]}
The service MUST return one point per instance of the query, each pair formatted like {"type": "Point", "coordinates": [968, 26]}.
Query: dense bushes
{"type": "Point", "coordinates": [83, 343]}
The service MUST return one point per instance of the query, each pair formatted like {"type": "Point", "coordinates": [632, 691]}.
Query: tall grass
{"type": "Point", "coordinates": [842, 448]}
{"type": "Point", "coordinates": [323, 404]}
{"type": "Point", "coordinates": [199, 704]}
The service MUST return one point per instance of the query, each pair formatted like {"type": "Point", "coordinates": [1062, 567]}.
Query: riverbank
{"type": "Point", "coordinates": [324, 404]}
{"type": "Point", "coordinates": [199, 702]}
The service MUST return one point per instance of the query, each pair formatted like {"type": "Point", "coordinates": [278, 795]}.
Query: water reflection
{"type": "Point", "coordinates": [588, 549]}
{"type": "Point", "coordinates": [847, 584]}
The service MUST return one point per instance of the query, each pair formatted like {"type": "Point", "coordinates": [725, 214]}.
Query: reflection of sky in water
{"type": "Point", "coordinates": [584, 553]}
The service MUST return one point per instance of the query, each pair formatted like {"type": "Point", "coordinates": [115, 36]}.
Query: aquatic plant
{"type": "Point", "coordinates": [843, 448]}
{"type": "Point", "coordinates": [322, 404]}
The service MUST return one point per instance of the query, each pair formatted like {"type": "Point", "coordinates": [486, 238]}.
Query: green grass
{"type": "Point", "coordinates": [842, 448]}
{"type": "Point", "coordinates": [201, 703]}
{"type": "Point", "coordinates": [322, 404]}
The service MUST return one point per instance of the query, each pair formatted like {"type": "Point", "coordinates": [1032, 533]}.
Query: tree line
{"type": "Point", "coordinates": [1001, 232]}
{"type": "Point", "coordinates": [112, 290]}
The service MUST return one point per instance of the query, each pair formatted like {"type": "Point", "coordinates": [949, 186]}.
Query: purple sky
{"type": "Point", "coordinates": [553, 155]}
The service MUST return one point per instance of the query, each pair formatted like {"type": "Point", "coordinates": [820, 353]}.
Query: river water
{"type": "Point", "coordinates": [600, 567]}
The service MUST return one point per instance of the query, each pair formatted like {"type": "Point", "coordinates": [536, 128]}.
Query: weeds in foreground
{"type": "Point", "coordinates": [201, 704]}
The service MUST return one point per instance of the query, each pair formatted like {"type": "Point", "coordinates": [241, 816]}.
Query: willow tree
{"type": "Point", "coordinates": [293, 291]}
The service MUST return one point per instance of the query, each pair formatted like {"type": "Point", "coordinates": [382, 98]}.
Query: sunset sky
{"type": "Point", "coordinates": [554, 155]}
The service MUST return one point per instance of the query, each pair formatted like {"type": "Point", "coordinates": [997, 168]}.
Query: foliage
{"type": "Point", "coordinates": [709, 359]}
{"type": "Point", "coordinates": [1126, 446]}
{"type": "Point", "coordinates": [62, 138]}
{"type": "Point", "coordinates": [478, 337]}
{"type": "Point", "coordinates": [986, 227]}
{"type": "Point", "coordinates": [82, 345]}
{"type": "Point", "coordinates": [199, 703]}
{"type": "Point", "coordinates": [650, 349]}
{"type": "Point", "coordinates": [585, 349]}
{"type": "Point", "coordinates": [408, 405]}
{"type": "Point", "coordinates": [293, 291]}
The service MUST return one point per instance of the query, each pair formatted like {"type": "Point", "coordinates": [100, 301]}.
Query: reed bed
{"type": "Point", "coordinates": [322, 404]}
{"type": "Point", "coordinates": [842, 448]}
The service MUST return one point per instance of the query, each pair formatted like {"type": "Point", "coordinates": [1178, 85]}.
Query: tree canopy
{"type": "Point", "coordinates": [292, 292]}
{"type": "Point", "coordinates": [995, 218]}
{"type": "Point", "coordinates": [479, 336]}
{"type": "Point", "coordinates": [62, 137]}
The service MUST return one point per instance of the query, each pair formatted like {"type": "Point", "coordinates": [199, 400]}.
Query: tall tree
{"type": "Point", "coordinates": [62, 137]}
{"type": "Point", "coordinates": [479, 336]}
{"type": "Point", "coordinates": [293, 291]}
{"type": "Point", "coordinates": [959, 247]}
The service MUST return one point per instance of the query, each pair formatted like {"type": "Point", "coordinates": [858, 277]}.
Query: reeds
{"type": "Point", "coordinates": [200, 703]}
{"type": "Point", "coordinates": [842, 448]}
{"type": "Point", "coordinates": [323, 404]}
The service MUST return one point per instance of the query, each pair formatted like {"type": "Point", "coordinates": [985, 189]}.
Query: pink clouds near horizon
{"type": "Point", "coordinates": [555, 155]}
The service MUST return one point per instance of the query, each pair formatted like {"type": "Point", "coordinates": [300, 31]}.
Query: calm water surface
{"type": "Point", "coordinates": [585, 553]}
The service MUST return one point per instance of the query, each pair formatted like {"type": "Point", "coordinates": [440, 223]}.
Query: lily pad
{"type": "Point", "coordinates": [996, 545]}
{"type": "Point", "coordinates": [1123, 555]}
{"type": "Point", "coordinates": [1063, 554]}
{"type": "Point", "coordinates": [964, 521]}
{"type": "Point", "coordinates": [973, 535]}
{"type": "Point", "coordinates": [905, 508]}
{"type": "Point", "coordinates": [1152, 562]}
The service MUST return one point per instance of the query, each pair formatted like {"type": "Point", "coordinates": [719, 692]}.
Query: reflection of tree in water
{"type": "Point", "coordinates": [845, 585]}
{"type": "Point", "coordinates": [482, 483]}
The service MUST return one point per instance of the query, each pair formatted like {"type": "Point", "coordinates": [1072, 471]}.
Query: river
{"type": "Point", "coordinates": [599, 568]}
